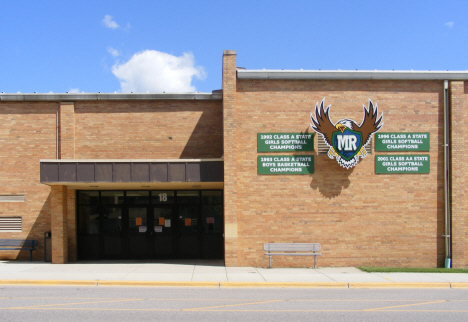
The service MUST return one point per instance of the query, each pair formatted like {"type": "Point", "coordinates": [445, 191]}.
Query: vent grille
{"type": "Point", "coordinates": [11, 224]}
{"type": "Point", "coordinates": [11, 198]}
{"type": "Point", "coordinates": [322, 147]}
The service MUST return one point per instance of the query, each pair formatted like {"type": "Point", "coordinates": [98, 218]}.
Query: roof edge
{"type": "Point", "coordinates": [127, 160]}
{"type": "Point", "coordinates": [352, 74]}
{"type": "Point", "coordinates": [109, 96]}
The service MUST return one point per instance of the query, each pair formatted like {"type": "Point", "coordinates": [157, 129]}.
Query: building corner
{"type": "Point", "coordinates": [230, 157]}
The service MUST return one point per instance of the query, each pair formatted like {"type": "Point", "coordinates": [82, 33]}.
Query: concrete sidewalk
{"type": "Point", "coordinates": [214, 274]}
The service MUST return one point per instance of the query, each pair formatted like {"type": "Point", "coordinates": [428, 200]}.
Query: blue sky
{"type": "Point", "coordinates": [154, 46]}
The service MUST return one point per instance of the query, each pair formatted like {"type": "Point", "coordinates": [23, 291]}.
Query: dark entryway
{"type": "Point", "coordinates": [150, 224]}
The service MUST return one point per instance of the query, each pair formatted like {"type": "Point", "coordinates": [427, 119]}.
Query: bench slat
{"type": "Point", "coordinates": [295, 254]}
{"type": "Point", "coordinates": [28, 243]}
{"type": "Point", "coordinates": [291, 247]}
{"type": "Point", "coordinates": [286, 248]}
{"type": "Point", "coordinates": [19, 244]}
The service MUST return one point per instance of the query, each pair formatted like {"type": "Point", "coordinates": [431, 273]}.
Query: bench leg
{"type": "Point", "coordinates": [30, 255]}
{"type": "Point", "coordinates": [269, 261]}
{"type": "Point", "coordinates": [315, 261]}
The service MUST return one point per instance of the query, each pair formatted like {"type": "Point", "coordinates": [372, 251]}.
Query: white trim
{"type": "Point", "coordinates": [70, 97]}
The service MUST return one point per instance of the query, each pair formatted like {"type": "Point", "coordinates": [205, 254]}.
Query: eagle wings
{"type": "Point", "coordinates": [322, 124]}
{"type": "Point", "coordinates": [370, 123]}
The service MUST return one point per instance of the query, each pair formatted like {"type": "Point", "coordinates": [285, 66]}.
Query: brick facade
{"type": "Point", "coordinates": [71, 225]}
{"type": "Point", "coordinates": [230, 127]}
{"type": "Point", "coordinates": [360, 218]}
{"type": "Point", "coordinates": [58, 216]}
{"type": "Point", "coordinates": [27, 134]}
{"type": "Point", "coordinates": [177, 129]}
{"type": "Point", "coordinates": [459, 116]}
{"type": "Point", "coordinates": [67, 130]}
{"type": "Point", "coordinates": [148, 130]}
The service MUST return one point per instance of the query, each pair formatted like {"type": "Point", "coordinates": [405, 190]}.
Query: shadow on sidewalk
{"type": "Point", "coordinates": [198, 262]}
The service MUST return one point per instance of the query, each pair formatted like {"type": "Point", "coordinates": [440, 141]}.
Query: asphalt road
{"type": "Point", "coordinates": [68, 303]}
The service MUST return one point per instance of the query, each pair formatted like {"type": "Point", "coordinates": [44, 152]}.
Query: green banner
{"type": "Point", "coordinates": [392, 141]}
{"type": "Point", "coordinates": [285, 164]}
{"type": "Point", "coordinates": [285, 142]}
{"type": "Point", "coordinates": [403, 163]}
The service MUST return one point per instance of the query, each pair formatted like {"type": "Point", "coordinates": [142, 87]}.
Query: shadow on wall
{"type": "Point", "coordinates": [329, 177]}
{"type": "Point", "coordinates": [206, 140]}
{"type": "Point", "coordinates": [40, 226]}
{"type": "Point", "coordinates": [188, 129]}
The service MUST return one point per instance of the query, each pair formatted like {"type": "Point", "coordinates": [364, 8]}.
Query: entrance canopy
{"type": "Point", "coordinates": [134, 174]}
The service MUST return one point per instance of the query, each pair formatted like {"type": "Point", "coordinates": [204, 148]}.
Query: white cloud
{"type": "Point", "coordinates": [450, 24]}
{"type": "Point", "coordinates": [154, 71]}
{"type": "Point", "coordinates": [74, 90]}
{"type": "Point", "coordinates": [114, 52]}
{"type": "Point", "coordinates": [109, 22]}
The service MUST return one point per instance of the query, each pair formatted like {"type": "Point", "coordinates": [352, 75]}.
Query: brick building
{"type": "Point", "coordinates": [150, 176]}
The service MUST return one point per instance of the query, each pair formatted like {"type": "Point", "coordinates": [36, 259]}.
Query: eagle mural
{"type": "Point", "coordinates": [346, 139]}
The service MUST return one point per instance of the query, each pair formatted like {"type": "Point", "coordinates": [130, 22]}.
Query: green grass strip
{"type": "Point", "coordinates": [411, 270]}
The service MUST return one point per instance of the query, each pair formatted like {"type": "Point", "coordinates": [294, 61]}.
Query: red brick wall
{"type": "Point", "coordinates": [27, 134]}
{"type": "Point", "coordinates": [141, 129]}
{"type": "Point", "coordinates": [358, 217]}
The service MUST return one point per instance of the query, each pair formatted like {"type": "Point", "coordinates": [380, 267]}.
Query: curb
{"type": "Point", "coordinates": [459, 285]}
{"type": "Point", "coordinates": [400, 285]}
{"type": "Point", "coordinates": [232, 284]}
{"type": "Point", "coordinates": [48, 282]}
{"type": "Point", "coordinates": [109, 283]}
{"type": "Point", "coordinates": [286, 284]}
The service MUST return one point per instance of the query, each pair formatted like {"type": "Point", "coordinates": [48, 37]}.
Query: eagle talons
{"type": "Point", "coordinates": [332, 153]}
{"type": "Point", "coordinates": [362, 153]}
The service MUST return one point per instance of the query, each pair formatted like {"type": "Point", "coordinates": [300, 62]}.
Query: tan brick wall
{"type": "Point", "coordinates": [27, 134]}
{"type": "Point", "coordinates": [91, 130]}
{"type": "Point", "coordinates": [230, 127]}
{"type": "Point", "coordinates": [141, 129]}
{"type": "Point", "coordinates": [58, 217]}
{"type": "Point", "coordinates": [67, 130]}
{"type": "Point", "coordinates": [459, 117]}
{"type": "Point", "coordinates": [71, 225]}
{"type": "Point", "coordinates": [358, 217]}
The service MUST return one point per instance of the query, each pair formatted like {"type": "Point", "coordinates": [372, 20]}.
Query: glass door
{"type": "Point", "coordinates": [111, 226]}
{"type": "Point", "coordinates": [163, 237]}
{"type": "Point", "coordinates": [145, 224]}
{"type": "Point", "coordinates": [212, 224]}
{"type": "Point", "coordinates": [189, 231]}
{"type": "Point", "coordinates": [188, 224]}
{"type": "Point", "coordinates": [138, 234]}
{"type": "Point", "coordinates": [111, 232]}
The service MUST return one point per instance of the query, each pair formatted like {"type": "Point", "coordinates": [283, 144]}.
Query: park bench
{"type": "Point", "coordinates": [287, 248]}
{"type": "Point", "coordinates": [19, 244]}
